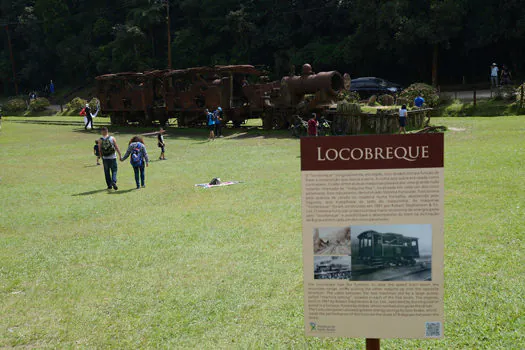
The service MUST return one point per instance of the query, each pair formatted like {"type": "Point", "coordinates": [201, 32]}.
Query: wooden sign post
{"type": "Point", "coordinates": [372, 344]}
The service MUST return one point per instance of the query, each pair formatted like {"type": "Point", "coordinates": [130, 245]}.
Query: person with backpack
{"type": "Point", "coordinates": [211, 125]}
{"type": "Point", "coordinates": [107, 147]}
{"type": "Point", "coordinates": [139, 158]}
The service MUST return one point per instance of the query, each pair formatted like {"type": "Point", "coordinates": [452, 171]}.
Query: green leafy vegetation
{"type": "Point", "coordinates": [426, 91]}
{"type": "Point", "coordinates": [38, 104]}
{"type": "Point", "coordinates": [492, 107]}
{"type": "Point", "coordinates": [172, 266]}
{"type": "Point", "coordinates": [15, 105]}
{"type": "Point", "coordinates": [71, 42]}
{"type": "Point", "coordinates": [74, 106]}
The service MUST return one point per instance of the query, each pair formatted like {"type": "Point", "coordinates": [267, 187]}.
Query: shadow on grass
{"type": "Point", "coordinates": [89, 193]}
{"type": "Point", "coordinates": [196, 133]}
{"type": "Point", "coordinates": [124, 191]}
{"type": "Point", "coordinates": [92, 166]}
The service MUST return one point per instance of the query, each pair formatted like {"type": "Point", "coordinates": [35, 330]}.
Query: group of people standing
{"type": "Point", "coordinates": [498, 78]}
{"type": "Point", "coordinates": [214, 120]}
{"type": "Point", "coordinates": [107, 148]}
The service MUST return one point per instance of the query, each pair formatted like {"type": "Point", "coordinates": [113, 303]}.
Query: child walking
{"type": "Point", "coordinates": [403, 119]}
{"type": "Point", "coordinates": [139, 158]}
{"type": "Point", "coordinates": [161, 144]}
{"type": "Point", "coordinates": [96, 152]}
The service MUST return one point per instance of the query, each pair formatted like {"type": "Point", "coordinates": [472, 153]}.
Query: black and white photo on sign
{"type": "Point", "coordinates": [332, 267]}
{"type": "Point", "coordinates": [332, 241]}
{"type": "Point", "coordinates": [392, 252]}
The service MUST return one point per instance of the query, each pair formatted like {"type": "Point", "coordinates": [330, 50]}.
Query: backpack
{"type": "Point", "coordinates": [107, 147]}
{"type": "Point", "coordinates": [215, 181]}
{"type": "Point", "coordinates": [83, 111]}
{"type": "Point", "coordinates": [136, 156]}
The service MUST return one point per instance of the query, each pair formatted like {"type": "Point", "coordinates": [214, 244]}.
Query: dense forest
{"type": "Point", "coordinates": [440, 41]}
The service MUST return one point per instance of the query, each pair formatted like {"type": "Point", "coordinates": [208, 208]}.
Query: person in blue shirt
{"type": "Point", "coordinates": [51, 88]}
{"type": "Point", "coordinates": [211, 124]}
{"type": "Point", "coordinates": [418, 101]}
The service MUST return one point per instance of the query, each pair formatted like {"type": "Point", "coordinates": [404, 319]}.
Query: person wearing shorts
{"type": "Point", "coordinates": [403, 119]}
{"type": "Point", "coordinates": [161, 144]}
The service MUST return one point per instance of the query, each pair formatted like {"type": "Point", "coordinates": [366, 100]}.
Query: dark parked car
{"type": "Point", "coordinates": [369, 86]}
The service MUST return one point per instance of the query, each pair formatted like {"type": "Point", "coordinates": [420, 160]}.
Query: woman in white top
{"type": "Point", "coordinates": [403, 119]}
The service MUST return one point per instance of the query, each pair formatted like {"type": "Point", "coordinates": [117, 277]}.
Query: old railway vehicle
{"type": "Point", "coordinates": [386, 249]}
{"type": "Point", "coordinates": [241, 90]}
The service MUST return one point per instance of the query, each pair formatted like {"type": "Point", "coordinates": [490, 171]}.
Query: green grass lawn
{"type": "Point", "coordinates": [183, 267]}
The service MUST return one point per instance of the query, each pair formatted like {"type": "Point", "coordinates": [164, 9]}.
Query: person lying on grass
{"type": "Point", "coordinates": [139, 158]}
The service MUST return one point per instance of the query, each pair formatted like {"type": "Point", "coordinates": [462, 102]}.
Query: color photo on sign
{"type": "Point", "coordinates": [392, 252]}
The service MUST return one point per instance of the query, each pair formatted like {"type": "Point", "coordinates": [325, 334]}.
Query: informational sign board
{"type": "Point", "coordinates": [372, 209]}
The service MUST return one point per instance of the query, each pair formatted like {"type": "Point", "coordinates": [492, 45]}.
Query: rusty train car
{"type": "Point", "coordinates": [242, 91]}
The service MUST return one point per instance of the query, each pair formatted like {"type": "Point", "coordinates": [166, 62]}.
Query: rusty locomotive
{"type": "Point", "coordinates": [242, 91]}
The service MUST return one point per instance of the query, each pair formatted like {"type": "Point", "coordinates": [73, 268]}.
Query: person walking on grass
{"type": "Point", "coordinates": [139, 158]}
{"type": "Point", "coordinates": [89, 118]}
{"type": "Point", "coordinates": [161, 144]}
{"type": "Point", "coordinates": [108, 148]}
{"type": "Point", "coordinates": [403, 119]}
{"type": "Point", "coordinates": [96, 152]}
{"type": "Point", "coordinates": [211, 125]}
{"type": "Point", "coordinates": [218, 122]}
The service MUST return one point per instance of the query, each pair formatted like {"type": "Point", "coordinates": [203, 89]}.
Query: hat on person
{"type": "Point", "coordinates": [494, 64]}
{"type": "Point", "coordinates": [87, 104]}
{"type": "Point", "coordinates": [220, 109]}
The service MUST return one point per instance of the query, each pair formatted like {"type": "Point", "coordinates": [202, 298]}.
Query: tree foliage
{"type": "Point", "coordinates": [71, 41]}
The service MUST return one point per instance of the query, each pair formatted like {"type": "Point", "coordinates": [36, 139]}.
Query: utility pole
{"type": "Point", "coordinates": [12, 58]}
{"type": "Point", "coordinates": [168, 29]}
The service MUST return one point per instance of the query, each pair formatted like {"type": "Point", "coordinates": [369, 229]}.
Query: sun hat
{"type": "Point", "coordinates": [494, 64]}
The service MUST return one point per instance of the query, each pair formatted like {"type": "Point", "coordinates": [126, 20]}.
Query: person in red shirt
{"type": "Point", "coordinates": [312, 125]}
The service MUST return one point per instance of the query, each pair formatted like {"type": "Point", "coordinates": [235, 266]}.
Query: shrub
{"type": "Point", "coordinates": [445, 100]}
{"type": "Point", "coordinates": [506, 92]}
{"type": "Point", "coordinates": [15, 105]}
{"type": "Point", "coordinates": [430, 94]}
{"type": "Point", "coordinates": [455, 109]}
{"type": "Point", "coordinates": [349, 96]}
{"type": "Point", "coordinates": [372, 100]}
{"type": "Point", "coordinates": [402, 101]}
{"type": "Point", "coordinates": [386, 100]}
{"type": "Point", "coordinates": [349, 108]}
{"type": "Point", "coordinates": [39, 104]}
{"type": "Point", "coordinates": [76, 105]}
{"type": "Point", "coordinates": [518, 92]}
